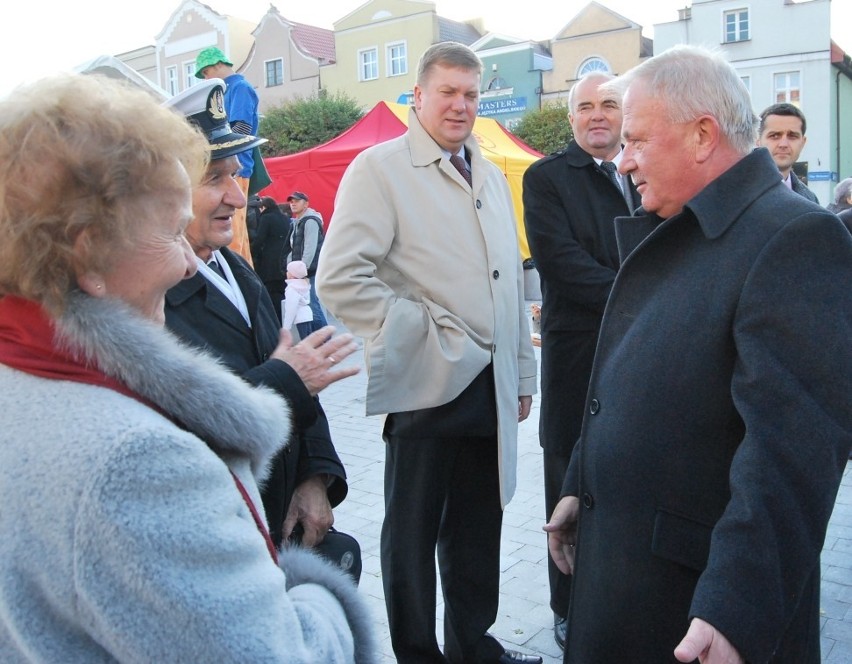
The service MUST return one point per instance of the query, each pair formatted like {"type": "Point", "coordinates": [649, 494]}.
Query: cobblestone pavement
{"type": "Point", "coordinates": [524, 620]}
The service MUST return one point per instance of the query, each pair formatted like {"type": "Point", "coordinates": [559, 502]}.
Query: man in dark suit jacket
{"type": "Point", "coordinates": [717, 422]}
{"type": "Point", "coordinates": [570, 203]}
{"type": "Point", "coordinates": [268, 248]}
{"type": "Point", "coordinates": [225, 309]}
{"type": "Point", "coordinates": [782, 132]}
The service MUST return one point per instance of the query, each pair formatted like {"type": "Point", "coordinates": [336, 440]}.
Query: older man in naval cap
{"type": "Point", "coordinates": [225, 309]}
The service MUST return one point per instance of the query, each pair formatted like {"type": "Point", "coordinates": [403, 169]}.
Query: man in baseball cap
{"type": "Point", "coordinates": [306, 241]}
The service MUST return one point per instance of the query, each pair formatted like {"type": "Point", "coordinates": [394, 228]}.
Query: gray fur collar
{"type": "Point", "coordinates": [192, 386]}
{"type": "Point", "coordinates": [303, 566]}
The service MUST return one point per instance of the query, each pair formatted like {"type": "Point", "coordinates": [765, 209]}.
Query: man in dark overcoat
{"type": "Point", "coordinates": [226, 310]}
{"type": "Point", "coordinates": [717, 421]}
{"type": "Point", "coordinates": [570, 204]}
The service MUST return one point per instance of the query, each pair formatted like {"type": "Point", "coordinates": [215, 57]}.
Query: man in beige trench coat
{"type": "Point", "coordinates": [422, 261]}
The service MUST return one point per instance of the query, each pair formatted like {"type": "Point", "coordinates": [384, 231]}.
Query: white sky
{"type": "Point", "coordinates": [38, 38]}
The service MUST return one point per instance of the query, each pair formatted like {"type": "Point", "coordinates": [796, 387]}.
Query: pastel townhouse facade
{"type": "Point", "coordinates": [280, 58]}
{"type": "Point", "coordinates": [192, 27]}
{"type": "Point", "coordinates": [285, 59]}
{"type": "Point", "coordinates": [371, 55]}
{"type": "Point", "coordinates": [377, 47]}
{"type": "Point", "coordinates": [596, 39]}
{"type": "Point", "coordinates": [784, 53]}
{"type": "Point", "coordinates": [511, 77]}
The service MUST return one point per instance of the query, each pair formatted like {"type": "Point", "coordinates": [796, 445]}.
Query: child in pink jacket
{"type": "Point", "coordinates": [296, 305]}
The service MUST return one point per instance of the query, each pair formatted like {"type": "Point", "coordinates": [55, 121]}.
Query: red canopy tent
{"type": "Point", "coordinates": [318, 171]}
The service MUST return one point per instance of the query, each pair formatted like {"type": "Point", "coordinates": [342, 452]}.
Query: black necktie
{"type": "Point", "coordinates": [609, 169]}
{"type": "Point", "coordinates": [461, 167]}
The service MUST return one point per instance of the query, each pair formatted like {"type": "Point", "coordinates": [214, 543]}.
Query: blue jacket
{"type": "Point", "coordinates": [241, 106]}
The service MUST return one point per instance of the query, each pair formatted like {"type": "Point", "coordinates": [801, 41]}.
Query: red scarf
{"type": "Point", "coordinates": [28, 344]}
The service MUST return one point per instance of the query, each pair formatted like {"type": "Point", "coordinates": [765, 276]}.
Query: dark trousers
{"type": "Point", "coordinates": [442, 493]}
{"type": "Point", "coordinates": [566, 365]}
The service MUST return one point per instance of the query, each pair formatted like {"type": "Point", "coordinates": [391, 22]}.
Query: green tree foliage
{"type": "Point", "coordinates": [307, 121]}
{"type": "Point", "coordinates": [546, 129]}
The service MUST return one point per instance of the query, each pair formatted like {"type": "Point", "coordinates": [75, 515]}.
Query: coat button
{"type": "Point", "coordinates": [478, 204]}
{"type": "Point", "coordinates": [588, 501]}
{"type": "Point", "coordinates": [496, 274]}
{"type": "Point", "coordinates": [594, 406]}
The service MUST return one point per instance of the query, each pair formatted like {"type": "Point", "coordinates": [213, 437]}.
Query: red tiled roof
{"type": "Point", "coordinates": [317, 42]}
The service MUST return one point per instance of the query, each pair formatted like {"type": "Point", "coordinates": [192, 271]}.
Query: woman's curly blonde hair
{"type": "Point", "coordinates": [82, 153]}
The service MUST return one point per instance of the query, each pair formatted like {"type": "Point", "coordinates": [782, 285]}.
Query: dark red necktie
{"type": "Point", "coordinates": [461, 167]}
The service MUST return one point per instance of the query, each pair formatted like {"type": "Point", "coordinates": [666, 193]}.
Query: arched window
{"type": "Point", "coordinates": [593, 64]}
{"type": "Point", "coordinates": [497, 83]}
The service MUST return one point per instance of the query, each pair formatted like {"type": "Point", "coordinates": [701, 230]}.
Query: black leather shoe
{"type": "Point", "coordinates": [560, 630]}
{"type": "Point", "coordinates": [515, 657]}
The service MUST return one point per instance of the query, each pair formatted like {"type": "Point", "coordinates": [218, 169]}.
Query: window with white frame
{"type": "Point", "coordinates": [189, 74]}
{"type": "Point", "coordinates": [736, 25]}
{"type": "Point", "coordinates": [593, 64]}
{"type": "Point", "coordinates": [787, 87]}
{"type": "Point", "coordinates": [497, 83]}
{"type": "Point", "coordinates": [397, 59]}
{"type": "Point", "coordinates": [274, 72]}
{"type": "Point", "coordinates": [172, 80]}
{"type": "Point", "coordinates": [368, 64]}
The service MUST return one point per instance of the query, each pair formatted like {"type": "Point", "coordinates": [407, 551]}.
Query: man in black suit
{"type": "Point", "coordinates": [782, 132]}
{"type": "Point", "coordinates": [268, 248]}
{"type": "Point", "coordinates": [225, 309]}
{"type": "Point", "coordinates": [570, 201]}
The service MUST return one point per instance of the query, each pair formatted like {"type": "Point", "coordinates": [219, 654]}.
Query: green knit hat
{"type": "Point", "coordinates": [208, 57]}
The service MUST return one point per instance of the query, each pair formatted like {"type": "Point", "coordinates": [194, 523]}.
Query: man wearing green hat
{"type": "Point", "coordinates": [241, 106]}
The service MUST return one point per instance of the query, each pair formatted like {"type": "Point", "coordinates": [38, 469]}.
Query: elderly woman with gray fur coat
{"type": "Point", "coordinates": [131, 520]}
